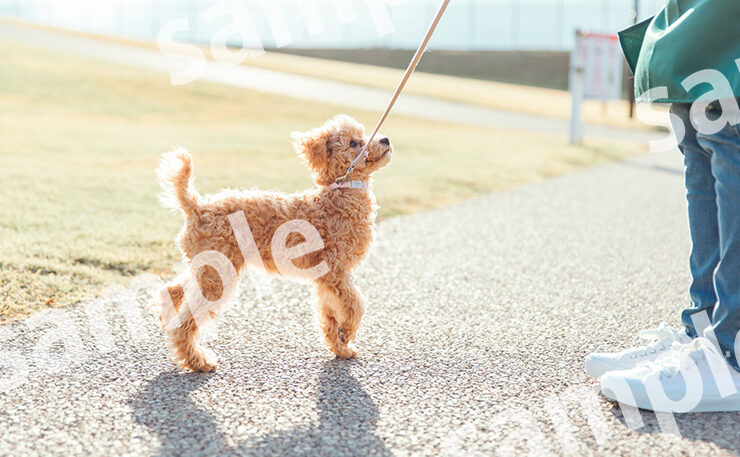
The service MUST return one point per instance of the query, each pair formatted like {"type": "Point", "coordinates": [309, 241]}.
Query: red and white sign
{"type": "Point", "coordinates": [600, 58]}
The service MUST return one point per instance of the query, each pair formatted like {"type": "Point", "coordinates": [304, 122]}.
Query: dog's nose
{"type": "Point", "coordinates": [385, 141]}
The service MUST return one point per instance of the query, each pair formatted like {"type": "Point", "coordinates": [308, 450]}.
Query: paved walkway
{"type": "Point", "coordinates": [479, 317]}
{"type": "Point", "coordinates": [312, 89]}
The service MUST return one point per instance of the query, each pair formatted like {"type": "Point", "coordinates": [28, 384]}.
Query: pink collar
{"type": "Point", "coordinates": [349, 185]}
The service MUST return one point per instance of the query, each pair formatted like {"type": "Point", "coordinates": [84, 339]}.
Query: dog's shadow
{"type": "Point", "coordinates": [346, 426]}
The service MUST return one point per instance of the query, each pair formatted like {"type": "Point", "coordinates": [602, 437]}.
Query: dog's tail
{"type": "Point", "coordinates": [174, 173]}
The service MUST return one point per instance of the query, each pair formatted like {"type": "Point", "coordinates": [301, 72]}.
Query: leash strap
{"type": "Point", "coordinates": [406, 76]}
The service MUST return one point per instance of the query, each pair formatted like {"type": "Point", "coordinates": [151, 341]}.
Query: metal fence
{"type": "Point", "coordinates": [467, 25]}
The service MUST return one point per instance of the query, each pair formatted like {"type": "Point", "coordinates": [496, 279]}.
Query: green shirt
{"type": "Point", "coordinates": [687, 36]}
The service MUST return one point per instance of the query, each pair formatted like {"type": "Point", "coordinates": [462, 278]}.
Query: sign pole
{"type": "Point", "coordinates": [576, 91]}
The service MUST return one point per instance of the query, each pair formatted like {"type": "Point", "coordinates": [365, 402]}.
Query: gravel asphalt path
{"type": "Point", "coordinates": [478, 321]}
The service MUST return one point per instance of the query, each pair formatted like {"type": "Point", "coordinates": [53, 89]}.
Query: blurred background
{"type": "Point", "coordinates": [87, 107]}
{"type": "Point", "coordinates": [469, 25]}
{"type": "Point", "coordinates": [490, 39]}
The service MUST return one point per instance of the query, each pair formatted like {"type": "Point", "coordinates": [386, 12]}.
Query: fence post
{"type": "Point", "coordinates": [635, 18]}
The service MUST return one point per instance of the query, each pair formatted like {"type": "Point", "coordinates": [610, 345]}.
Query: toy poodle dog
{"type": "Point", "coordinates": [342, 213]}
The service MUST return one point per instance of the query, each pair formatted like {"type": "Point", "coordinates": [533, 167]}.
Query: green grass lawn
{"type": "Point", "coordinates": [79, 141]}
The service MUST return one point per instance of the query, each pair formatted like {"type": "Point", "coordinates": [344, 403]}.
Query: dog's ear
{"type": "Point", "coordinates": [312, 147]}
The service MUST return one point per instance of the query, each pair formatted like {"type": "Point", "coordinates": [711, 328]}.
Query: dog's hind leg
{"type": "Point", "coordinates": [186, 343]}
{"type": "Point", "coordinates": [170, 300]}
{"type": "Point", "coordinates": [340, 309]}
{"type": "Point", "coordinates": [203, 298]}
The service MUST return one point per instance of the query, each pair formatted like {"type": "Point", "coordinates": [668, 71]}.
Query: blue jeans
{"type": "Point", "coordinates": [712, 163]}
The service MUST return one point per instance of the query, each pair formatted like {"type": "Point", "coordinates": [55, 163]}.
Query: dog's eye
{"type": "Point", "coordinates": [353, 144]}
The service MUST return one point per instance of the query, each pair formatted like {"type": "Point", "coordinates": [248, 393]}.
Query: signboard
{"type": "Point", "coordinates": [595, 72]}
{"type": "Point", "coordinates": [600, 57]}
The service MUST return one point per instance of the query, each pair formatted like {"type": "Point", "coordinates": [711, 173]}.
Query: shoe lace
{"type": "Point", "coordinates": [661, 337]}
{"type": "Point", "coordinates": [680, 353]}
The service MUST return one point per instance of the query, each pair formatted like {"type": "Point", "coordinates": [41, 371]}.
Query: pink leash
{"type": "Point", "coordinates": [412, 66]}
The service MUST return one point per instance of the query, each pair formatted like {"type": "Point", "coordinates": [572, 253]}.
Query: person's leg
{"type": "Point", "coordinates": [710, 385]}
{"type": "Point", "coordinates": [704, 231]}
{"type": "Point", "coordinates": [703, 220]}
{"type": "Point", "coordinates": [725, 147]}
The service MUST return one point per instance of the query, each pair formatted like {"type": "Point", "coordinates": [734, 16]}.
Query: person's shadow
{"type": "Point", "coordinates": [717, 428]}
{"type": "Point", "coordinates": [347, 419]}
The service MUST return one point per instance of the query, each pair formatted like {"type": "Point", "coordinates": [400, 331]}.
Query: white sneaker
{"type": "Point", "coordinates": [661, 339]}
{"type": "Point", "coordinates": [693, 377]}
